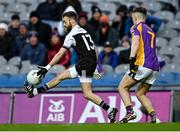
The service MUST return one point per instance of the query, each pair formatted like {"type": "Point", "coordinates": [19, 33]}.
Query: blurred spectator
{"type": "Point", "coordinates": [96, 15]}
{"type": "Point", "coordinates": [125, 54]}
{"type": "Point", "coordinates": [108, 56]}
{"type": "Point", "coordinates": [21, 40]}
{"type": "Point", "coordinates": [106, 33]}
{"type": "Point", "coordinates": [120, 19]}
{"type": "Point", "coordinates": [151, 21]}
{"type": "Point", "coordinates": [44, 30]}
{"type": "Point", "coordinates": [14, 26]}
{"type": "Point", "coordinates": [56, 44]}
{"type": "Point", "coordinates": [34, 50]}
{"type": "Point", "coordinates": [169, 7]}
{"type": "Point", "coordinates": [74, 3]}
{"type": "Point", "coordinates": [83, 22]}
{"type": "Point", "coordinates": [48, 10]}
{"type": "Point", "coordinates": [5, 41]}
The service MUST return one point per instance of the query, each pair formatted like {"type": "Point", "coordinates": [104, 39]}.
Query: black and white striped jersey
{"type": "Point", "coordinates": [81, 41]}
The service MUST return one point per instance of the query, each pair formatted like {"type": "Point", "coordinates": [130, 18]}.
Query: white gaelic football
{"type": "Point", "coordinates": [33, 78]}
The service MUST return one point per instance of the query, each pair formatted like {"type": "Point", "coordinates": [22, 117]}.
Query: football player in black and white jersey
{"type": "Point", "coordinates": [85, 69]}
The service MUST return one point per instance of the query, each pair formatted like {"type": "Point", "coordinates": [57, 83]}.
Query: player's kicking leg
{"type": "Point", "coordinates": [33, 91]}
{"type": "Point", "coordinates": [141, 95]}
{"type": "Point", "coordinates": [126, 83]}
{"type": "Point", "coordinates": [89, 95]}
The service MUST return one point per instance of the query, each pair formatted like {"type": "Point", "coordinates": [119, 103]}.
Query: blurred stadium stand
{"type": "Point", "coordinates": [168, 79]}
{"type": "Point", "coordinates": [13, 72]}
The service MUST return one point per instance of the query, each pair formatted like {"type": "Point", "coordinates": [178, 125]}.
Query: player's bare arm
{"type": "Point", "coordinates": [43, 70]}
{"type": "Point", "coordinates": [134, 50]}
{"type": "Point", "coordinates": [58, 56]}
{"type": "Point", "coordinates": [134, 46]}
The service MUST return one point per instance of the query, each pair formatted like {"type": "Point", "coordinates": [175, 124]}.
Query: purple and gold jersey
{"type": "Point", "coordinates": [146, 54]}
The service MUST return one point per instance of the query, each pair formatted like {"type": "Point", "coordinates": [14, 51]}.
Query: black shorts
{"type": "Point", "coordinates": [87, 69]}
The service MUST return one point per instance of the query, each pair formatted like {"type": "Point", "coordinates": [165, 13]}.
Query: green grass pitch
{"type": "Point", "coordinates": [93, 127]}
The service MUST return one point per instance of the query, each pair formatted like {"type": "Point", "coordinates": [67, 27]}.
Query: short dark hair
{"type": "Point", "coordinates": [140, 10]}
{"type": "Point", "coordinates": [70, 14]}
{"type": "Point", "coordinates": [15, 17]}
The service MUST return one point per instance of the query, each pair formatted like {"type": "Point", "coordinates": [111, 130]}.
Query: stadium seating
{"type": "Point", "coordinates": [100, 48]}
{"type": "Point", "coordinates": [26, 68]}
{"type": "Point", "coordinates": [107, 69]}
{"type": "Point", "coordinates": [86, 7]}
{"type": "Point", "coordinates": [161, 42]}
{"type": "Point", "coordinates": [167, 78]}
{"type": "Point", "coordinates": [177, 15]}
{"type": "Point", "coordinates": [175, 42]}
{"type": "Point", "coordinates": [2, 8]}
{"type": "Point", "coordinates": [165, 58]}
{"type": "Point", "coordinates": [170, 51]}
{"type": "Point", "coordinates": [32, 8]}
{"type": "Point", "coordinates": [24, 16]}
{"type": "Point", "coordinates": [176, 60]}
{"type": "Point", "coordinates": [129, 4]}
{"type": "Point", "coordinates": [171, 68]}
{"type": "Point", "coordinates": [121, 68]}
{"type": "Point", "coordinates": [13, 71]}
{"type": "Point", "coordinates": [6, 2]}
{"type": "Point", "coordinates": [16, 8]}
{"type": "Point", "coordinates": [9, 69]}
{"type": "Point", "coordinates": [173, 24]}
{"type": "Point", "coordinates": [108, 9]}
{"type": "Point", "coordinates": [27, 2]}
{"type": "Point", "coordinates": [152, 6]}
{"type": "Point", "coordinates": [15, 61]}
{"type": "Point", "coordinates": [168, 33]}
{"type": "Point", "coordinates": [3, 61]}
{"type": "Point", "coordinates": [3, 79]}
{"type": "Point", "coordinates": [118, 49]}
{"type": "Point", "coordinates": [16, 81]}
{"type": "Point", "coordinates": [163, 15]}
{"type": "Point", "coordinates": [138, 1]}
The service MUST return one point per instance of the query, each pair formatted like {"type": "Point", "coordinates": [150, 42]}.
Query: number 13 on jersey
{"type": "Point", "coordinates": [88, 42]}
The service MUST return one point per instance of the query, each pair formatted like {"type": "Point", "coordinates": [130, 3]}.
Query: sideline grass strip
{"type": "Point", "coordinates": [92, 127]}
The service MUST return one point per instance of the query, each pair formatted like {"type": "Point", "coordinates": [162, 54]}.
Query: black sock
{"type": "Point", "coordinates": [152, 114]}
{"type": "Point", "coordinates": [129, 109]}
{"type": "Point", "coordinates": [42, 89]}
{"type": "Point", "coordinates": [104, 105]}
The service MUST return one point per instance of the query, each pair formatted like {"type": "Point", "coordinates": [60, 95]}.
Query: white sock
{"type": "Point", "coordinates": [35, 92]}
{"type": "Point", "coordinates": [109, 110]}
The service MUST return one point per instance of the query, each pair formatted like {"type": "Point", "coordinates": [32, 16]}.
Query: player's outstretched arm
{"type": "Point", "coordinates": [58, 56]}
{"type": "Point", "coordinates": [43, 70]}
